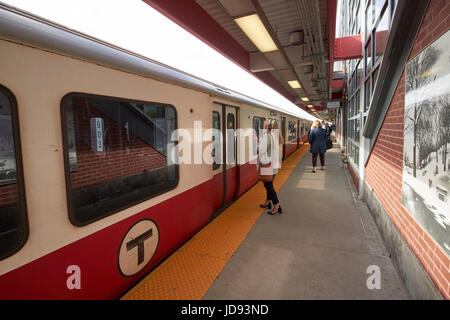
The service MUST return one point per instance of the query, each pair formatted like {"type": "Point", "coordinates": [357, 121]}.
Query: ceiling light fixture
{"type": "Point", "coordinates": [294, 84]}
{"type": "Point", "coordinates": [258, 34]}
{"type": "Point", "coordinates": [305, 99]}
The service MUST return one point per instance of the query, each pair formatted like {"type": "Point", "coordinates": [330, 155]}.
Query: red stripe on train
{"type": "Point", "coordinates": [177, 218]}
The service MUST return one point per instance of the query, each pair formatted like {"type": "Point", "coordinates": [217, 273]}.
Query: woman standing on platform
{"type": "Point", "coordinates": [318, 141]}
{"type": "Point", "coordinates": [268, 168]}
{"type": "Point", "coordinates": [277, 133]}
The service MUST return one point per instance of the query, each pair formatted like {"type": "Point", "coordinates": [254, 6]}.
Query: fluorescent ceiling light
{"type": "Point", "coordinates": [305, 99]}
{"type": "Point", "coordinates": [255, 30]}
{"type": "Point", "coordinates": [310, 105]}
{"type": "Point", "coordinates": [294, 84]}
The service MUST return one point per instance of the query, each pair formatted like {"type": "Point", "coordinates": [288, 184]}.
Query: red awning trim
{"type": "Point", "coordinates": [347, 48]}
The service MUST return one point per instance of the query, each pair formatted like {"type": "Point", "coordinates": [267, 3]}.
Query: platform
{"type": "Point", "coordinates": [320, 247]}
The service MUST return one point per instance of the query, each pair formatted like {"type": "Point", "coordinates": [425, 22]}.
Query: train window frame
{"type": "Point", "coordinates": [22, 218]}
{"type": "Point", "coordinates": [68, 170]}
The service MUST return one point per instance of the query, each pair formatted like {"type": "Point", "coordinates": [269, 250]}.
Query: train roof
{"type": "Point", "coordinates": [25, 28]}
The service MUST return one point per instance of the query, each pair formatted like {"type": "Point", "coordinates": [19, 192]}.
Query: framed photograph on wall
{"type": "Point", "coordinates": [426, 147]}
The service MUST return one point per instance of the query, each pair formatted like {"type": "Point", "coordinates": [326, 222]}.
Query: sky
{"type": "Point", "coordinates": [137, 27]}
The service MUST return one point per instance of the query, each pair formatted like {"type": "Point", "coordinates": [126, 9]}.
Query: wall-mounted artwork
{"type": "Point", "coordinates": [426, 161]}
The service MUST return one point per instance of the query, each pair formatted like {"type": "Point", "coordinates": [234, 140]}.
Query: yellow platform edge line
{"type": "Point", "coordinates": [189, 272]}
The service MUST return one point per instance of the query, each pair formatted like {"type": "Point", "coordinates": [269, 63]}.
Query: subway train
{"type": "Point", "coordinates": [90, 200]}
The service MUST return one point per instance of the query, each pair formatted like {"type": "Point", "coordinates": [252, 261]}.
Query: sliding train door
{"type": "Point", "coordinates": [224, 120]}
{"type": "Point", "coordinates": [231, 172]}
{"type": "Point", "coordinates": [217, 157]}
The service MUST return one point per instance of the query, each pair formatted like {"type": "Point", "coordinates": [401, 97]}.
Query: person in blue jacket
{"type": "Point", "coordinates": [318, 142]}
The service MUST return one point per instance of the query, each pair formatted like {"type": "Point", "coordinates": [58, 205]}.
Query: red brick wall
{"type": "Point", "coordinates": [122, 157]}
{"type": "Point", "coordinates": [384, 168]}
{"type": "Point", "coordinates": [8, 195]}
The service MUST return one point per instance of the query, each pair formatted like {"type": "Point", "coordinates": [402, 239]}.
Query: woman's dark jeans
{"type": "Point", "coordinates": [314, 159]}
{"type": "Point", "coordinates": [271, 193]}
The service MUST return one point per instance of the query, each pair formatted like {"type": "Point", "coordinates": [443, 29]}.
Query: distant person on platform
{"type": "Point", "coordinates": [323, 125]}
{"type": "Point", "coordinates": [328, 130]}
{"type": "Point", "coordinates": [318, 142]}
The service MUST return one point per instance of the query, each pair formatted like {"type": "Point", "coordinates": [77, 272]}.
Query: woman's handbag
{"type": "Point", "coordinates": [329, 144]}
{"type": "Point", "coordinates": [267, 168]}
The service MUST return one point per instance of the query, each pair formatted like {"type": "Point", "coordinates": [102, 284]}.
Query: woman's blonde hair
{"type": "Point", "coordinates": [277, 127]}
{"type": "Point", "coordinates": [315, 124]}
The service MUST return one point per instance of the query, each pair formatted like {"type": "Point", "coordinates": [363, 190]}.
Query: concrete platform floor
{"type": "Point", "coordinates": [320, 247]}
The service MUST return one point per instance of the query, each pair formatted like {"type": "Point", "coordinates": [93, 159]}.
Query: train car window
{"type": "Point", "coordinates": [217, 152]}
{"type": "Point", "coordinates": [231, 145]}
{"type": "Point", "coordinates": [13, 219]}
{"type": "Point", "coordinates": [258, 124]}
{"type": "Point", "coordinates": [116, 154]}
{"type": "Point", "coordinates": [292, 130]}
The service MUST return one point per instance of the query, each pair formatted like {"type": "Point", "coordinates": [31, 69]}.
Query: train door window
{"type": "Point", "coordinates": [283, 128]}
{"type": "Point", "coordinates": [216, 140]}
{"type": "Point", "coordinates": [258, 124]}
{"type": "Point", "coordinates": [13, 220]}
{"type": "Point", "coordinates": [292, 130]}
{"type": "Point", "coordinates": [231, 145]}
{"type": "Point", "coordinates": [116, 154]}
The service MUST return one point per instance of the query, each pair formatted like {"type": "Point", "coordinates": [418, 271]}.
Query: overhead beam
{"type": "Point", "coordinates": [259, 63]}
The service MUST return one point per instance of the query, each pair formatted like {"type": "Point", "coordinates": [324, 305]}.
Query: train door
{"type": "Point", "coordinates": [231, 169]}
{"type": "Point", "coordinates": [298, 133]}
{"type": "Point", "coordinates": [217, 155]}
{"type": "Point", "coordinates": [224, 120]}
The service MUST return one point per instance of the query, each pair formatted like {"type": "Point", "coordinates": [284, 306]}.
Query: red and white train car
{"type": "Point", "coordinates": [89, 199]}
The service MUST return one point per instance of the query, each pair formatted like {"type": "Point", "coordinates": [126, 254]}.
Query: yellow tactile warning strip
{"type": "Point", "coordinates": [189, 272]}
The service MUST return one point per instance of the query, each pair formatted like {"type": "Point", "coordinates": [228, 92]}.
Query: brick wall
{"type": "Point", "coordinates": [122, 158]}
{"type": "Point", "coordinates": [384, 168]}
{"type": "Point", "coordinates": [8, 195]}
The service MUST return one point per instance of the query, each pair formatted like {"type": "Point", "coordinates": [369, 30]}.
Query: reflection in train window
{"type": "Point", "coordinates": [116, 154]}
{"type": "Point", "coordinates": [13, 221]}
